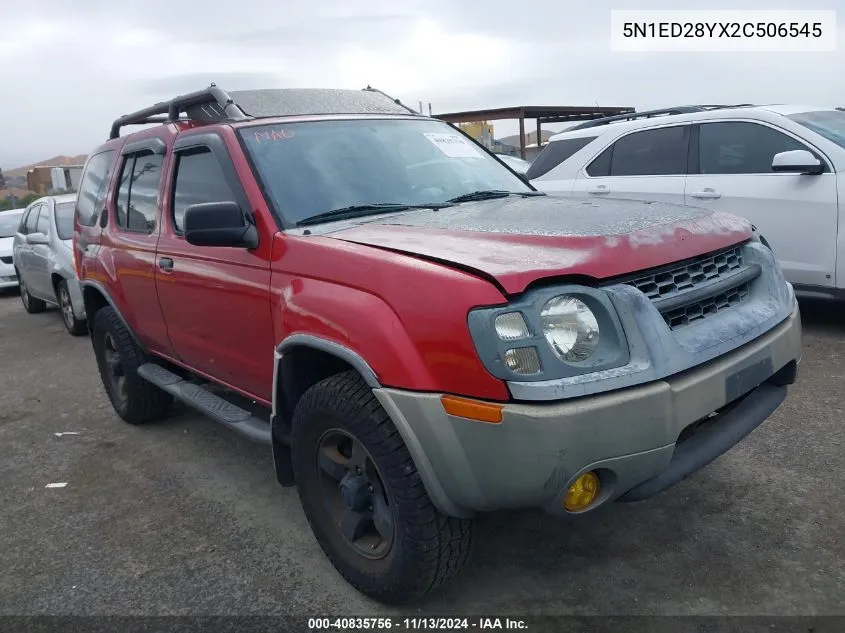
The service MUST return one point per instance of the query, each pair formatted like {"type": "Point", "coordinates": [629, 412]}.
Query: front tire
{"type": "Point", "coordinates": [76, 327]}
{"type": "Point", "coordinates": [30, 303]}
{"type": "Point", "coordinates": [118, 358]}
{"type": "Point", "coordinates": [364, 498]}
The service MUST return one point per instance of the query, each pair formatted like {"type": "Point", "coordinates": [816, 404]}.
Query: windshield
{"type": "Point", "coordinates": [827, 123]}
{"type": "Point", "coordinates": [316, 167]}
{"type": "Point", "coordinates": [515, 163]}
{"type": "Point", "coordinates": [9, 222]}
{"type": "Point", "coordinates": [64, 220]}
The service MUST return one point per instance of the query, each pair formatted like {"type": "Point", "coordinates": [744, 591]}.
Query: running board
{"type": "Point", "coordinates": [207, 403]}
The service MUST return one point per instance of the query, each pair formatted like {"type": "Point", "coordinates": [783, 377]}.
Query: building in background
{"type": "Point", "coordinates": [45, 179]}
{"type": "Point", "coordinates": [481, 131]}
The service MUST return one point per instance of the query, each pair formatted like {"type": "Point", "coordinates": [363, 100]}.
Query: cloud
{"type": "Point", "coordinates": [67, 74]}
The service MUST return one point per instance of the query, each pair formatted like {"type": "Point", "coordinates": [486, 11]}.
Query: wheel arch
{"type": "Point", "coordinates": [95, 297]}
{"type": "Point", "coordinates": [299, 362]}
{"type": "Point", "coordinates": [303, 360]}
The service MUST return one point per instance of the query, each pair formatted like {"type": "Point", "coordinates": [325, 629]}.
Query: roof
{"type": "Point", "coordinates": [68, 166]}
{"type": "Point", "coordinates": [214, 105]}
{"type": "Point", "coordinates": [681, 115]}
{"type": "Point", "coordinates": [295, 102]}
{"type": "Point", "coordinates": [787, 110]}
{"type": "Point", "coordinates": [548, 114]}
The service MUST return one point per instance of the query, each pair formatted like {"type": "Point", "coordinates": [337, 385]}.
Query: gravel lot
{"type": "Point", "coordinates": [184, 517]}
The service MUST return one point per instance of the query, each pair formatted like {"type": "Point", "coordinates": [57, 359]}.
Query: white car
{"type": "Point", "coordinates": [9, 221]}
{"type": "Point", "coordinates": [782, 167]}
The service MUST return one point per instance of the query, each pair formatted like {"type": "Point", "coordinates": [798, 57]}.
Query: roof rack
{"type": "Point", "coordinates": [212, 103]}
{"type": "Point", "coordinates": [396, 101]}
{"type": "Point", "coordinates": [652, 113]}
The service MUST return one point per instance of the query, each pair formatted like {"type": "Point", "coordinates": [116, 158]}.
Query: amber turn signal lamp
{"type": "Point", "coordinates": [582, 492]}
{"type": "Point", "coordinates": [472, 409]}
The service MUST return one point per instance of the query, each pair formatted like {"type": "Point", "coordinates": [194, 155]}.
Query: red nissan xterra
{"type": "Point", "coordinates": [418, 333]}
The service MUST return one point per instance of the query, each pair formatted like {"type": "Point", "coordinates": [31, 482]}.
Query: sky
{"type": "Point", "coordinates": [67, 69]}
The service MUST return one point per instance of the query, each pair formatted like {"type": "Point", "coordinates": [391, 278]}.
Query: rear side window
{"type": "Point", "coordinates": [660, 152]}
{"type": "Point", "coordinates": [137, 194]}
{"type": "Point", "coordinates": [43, 224]}
{"type": "Point", "coordinates": [601, 165]}
{"type": "Point", "coordinates": [64, 220]}
{"type": "Point", "coordinates": [198, 179]}
{"type": "Point", "coordinates": [22, 223]}
{"type": "Point", "coordinates": [741, 148]}
{"type": "Point", "coordinates": [92, 188]}
{"type": "Point", "coordinates": [32, 220]}
{"type": "Point", "coordinates": [555, 153]}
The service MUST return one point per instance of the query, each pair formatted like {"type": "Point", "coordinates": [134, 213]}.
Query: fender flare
{"type": "Point", "coordinates": [280, 445]}
{"type": "Point", "coordinates": [102, 290]}
{"type": "Point", "coordinates": [281, 450]}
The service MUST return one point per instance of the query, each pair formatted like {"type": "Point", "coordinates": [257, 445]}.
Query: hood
{"type": "Point", "coordinates": [6, 244]}
{"type": "Point", "coordinates": [516, 240]}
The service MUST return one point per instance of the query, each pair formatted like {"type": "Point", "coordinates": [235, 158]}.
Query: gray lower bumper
{"type": "Point", "coordinates": [629, 436]}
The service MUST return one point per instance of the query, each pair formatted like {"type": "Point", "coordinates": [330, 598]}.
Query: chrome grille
{"type": "Point", "coordinates": [699, 271]}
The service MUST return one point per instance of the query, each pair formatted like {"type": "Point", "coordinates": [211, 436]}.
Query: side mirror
{"type": "Point", "coordinates": [798, 161]}
{"type": "Point", "coordinates": [37, 238]}
{"type": "Point", "coordinates": [219, 224]}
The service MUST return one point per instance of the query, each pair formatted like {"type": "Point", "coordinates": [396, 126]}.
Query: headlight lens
{"type": "Point", "coordinates": [511, 326]}
{"type": "Point", "coordinates": [570, 328]}
{"type": "Point", "coordinates": [523, 360]}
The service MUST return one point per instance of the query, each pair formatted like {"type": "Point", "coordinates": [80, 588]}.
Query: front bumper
{"type": "Point", "coordinates": [8, 276]}
{"type": "Point", "coordinates": [637, 439]}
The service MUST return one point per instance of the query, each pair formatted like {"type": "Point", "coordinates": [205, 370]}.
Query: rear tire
{"type": "Point", "coordinates": [118, 358]}
{"type": "Point", "coordinates": [30, 303]}
{"type": "Point", "coordinates": [76, 327]}
{"type": "Point", "coordinates": [424, 549]}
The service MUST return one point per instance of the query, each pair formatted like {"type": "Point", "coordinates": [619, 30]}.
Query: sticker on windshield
{"type": "Point", "coordinates": [452, 145]}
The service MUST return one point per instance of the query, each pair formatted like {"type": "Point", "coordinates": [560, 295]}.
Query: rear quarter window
{"type": "Point", "coordinates": [555, 153]}
{"type": "Point", "coordinates": [92, 188]}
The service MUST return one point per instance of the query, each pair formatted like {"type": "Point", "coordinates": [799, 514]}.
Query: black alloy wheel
{"type": "Point", "coordinates": [354, 495]}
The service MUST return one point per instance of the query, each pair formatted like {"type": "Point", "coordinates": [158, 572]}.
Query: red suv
{"type": "Point", "coordinates": [417, 332]}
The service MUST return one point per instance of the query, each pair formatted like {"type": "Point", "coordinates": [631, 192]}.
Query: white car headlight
{"type": "Point", "coordinates": [570, 328]}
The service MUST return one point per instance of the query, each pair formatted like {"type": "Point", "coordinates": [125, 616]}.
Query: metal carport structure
{"type": "Point", "coordinates": [542, 114]}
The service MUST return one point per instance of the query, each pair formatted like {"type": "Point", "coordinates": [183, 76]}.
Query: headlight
{"type": "Point", "coordinates": [570, 328]}
{"type": "Point", "coordinates": [550, 333]}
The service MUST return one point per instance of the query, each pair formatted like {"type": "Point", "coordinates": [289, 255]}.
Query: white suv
{"type": "Point", "coordinates": [781, 167]}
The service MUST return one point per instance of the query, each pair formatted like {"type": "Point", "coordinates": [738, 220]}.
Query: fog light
{"type": "Point", "coordinates": [582, 492]}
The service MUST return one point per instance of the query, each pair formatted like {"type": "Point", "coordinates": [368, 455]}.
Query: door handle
{"type": "Point", "coordinates": [599, 191]}
{"type": "Point", "coordinates": [707, 194]}
{"type": "Point", "coordinates": [165, 263]}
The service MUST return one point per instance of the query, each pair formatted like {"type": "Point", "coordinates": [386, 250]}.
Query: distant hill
{"type": "Point", "coordinates": [56, 161]}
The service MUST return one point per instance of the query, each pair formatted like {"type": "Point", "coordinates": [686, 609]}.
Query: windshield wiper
{"type": "Point", "coordinates": [361, 210]}
{"type": "Point", "coordinates": [492, 194]}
